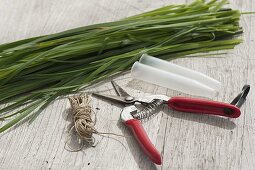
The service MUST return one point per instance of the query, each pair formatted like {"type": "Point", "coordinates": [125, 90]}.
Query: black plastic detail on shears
{"type": "Point", "coordinates": [239, 99]}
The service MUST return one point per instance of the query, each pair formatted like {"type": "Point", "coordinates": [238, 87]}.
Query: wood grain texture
{"type": "Point", "coordinates": [187, 141]}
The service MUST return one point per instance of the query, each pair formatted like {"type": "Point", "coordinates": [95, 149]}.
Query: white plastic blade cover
{"type": "Point", "coordinates": [171, 80]}
{"type": "Point", "coordinates": [182, 71]}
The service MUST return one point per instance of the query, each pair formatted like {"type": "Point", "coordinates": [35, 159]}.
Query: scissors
{"type": "Point", "coordinates": [131, 116]}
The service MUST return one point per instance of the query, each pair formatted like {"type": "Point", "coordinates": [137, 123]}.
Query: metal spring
{"type": "Point", "coordinates": [149, 110]}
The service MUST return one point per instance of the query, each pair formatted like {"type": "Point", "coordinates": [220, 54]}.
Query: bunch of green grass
{"type": "Point", "coordinates": [35, 71]}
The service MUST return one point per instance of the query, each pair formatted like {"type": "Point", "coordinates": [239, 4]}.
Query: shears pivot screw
{"type": "Point", "coordinates": [129, 98]}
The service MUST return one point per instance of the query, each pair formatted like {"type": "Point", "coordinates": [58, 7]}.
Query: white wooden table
{"type": "Point", "coordinates": [186, 141]}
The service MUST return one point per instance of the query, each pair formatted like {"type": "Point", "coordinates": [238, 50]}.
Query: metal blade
{"type": "Point", "coordinates": [120, 91]}
{"type": "Point", "coordinates": [117, 99]}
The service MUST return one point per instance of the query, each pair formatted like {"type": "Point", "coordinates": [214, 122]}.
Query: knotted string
{"type": "Point", "coordinates": [84, 125]}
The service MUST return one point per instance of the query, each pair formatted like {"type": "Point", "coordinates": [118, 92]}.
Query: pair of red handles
{"type": "Point", "coordinates": [184, 104]}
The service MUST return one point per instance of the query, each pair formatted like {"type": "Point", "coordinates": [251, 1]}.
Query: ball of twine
{"type": "Point", "coordinates": [84, 125]}
{"type": "Point", "coordinates": [82, 113]}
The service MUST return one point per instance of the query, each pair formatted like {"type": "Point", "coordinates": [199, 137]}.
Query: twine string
{"type": "Point", "coordinates": [84, 125]}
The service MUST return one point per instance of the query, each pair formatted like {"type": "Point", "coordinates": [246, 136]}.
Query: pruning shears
{"type": "Point", "coordinates": [131, 116]}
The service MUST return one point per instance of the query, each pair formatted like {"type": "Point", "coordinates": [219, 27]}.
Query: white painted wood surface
{"type": "Point", "coordinates": [186, 141]}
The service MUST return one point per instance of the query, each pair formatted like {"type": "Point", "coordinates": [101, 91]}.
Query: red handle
{"type": "Point", "coordinates": [144, 141]}
{"type": "Point", "coordinates": [204, 106]}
